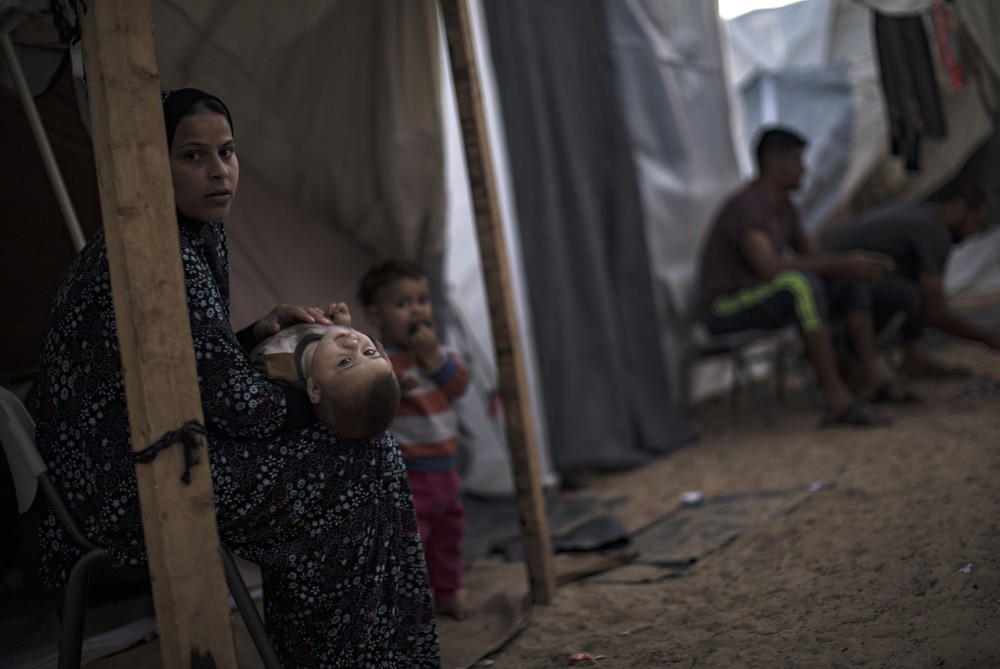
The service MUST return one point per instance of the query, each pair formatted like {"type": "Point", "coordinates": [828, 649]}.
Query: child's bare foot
{"type": "Point", "coordinates": [453, 608]}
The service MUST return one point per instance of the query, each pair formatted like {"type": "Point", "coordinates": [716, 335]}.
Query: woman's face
{"type": "Point", "coordinates": [203, 166]}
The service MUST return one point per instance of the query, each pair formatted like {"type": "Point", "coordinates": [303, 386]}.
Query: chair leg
{"type": "Point", "coordinates": [74, 604]}
{"type": "Point", "coordinates": [248, 611]}
{"type": "Point", "coordinates": [763, 406]}
{"type": "Point", "coordinates": [807, 380]}
{"type": "Point", "coordinates": [780, 371]}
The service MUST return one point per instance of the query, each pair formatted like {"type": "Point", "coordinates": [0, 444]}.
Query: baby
{"type": "Point", "coordinates": [346, 374]}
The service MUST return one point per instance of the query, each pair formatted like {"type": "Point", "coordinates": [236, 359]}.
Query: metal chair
{"type": "Point", "coordinates": [743, 349]}
{"type": "Point", "coordinates": [28, 470]}
{"type": "Point", "coordinates": [780, 347]}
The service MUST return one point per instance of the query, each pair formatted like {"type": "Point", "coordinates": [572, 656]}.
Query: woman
{"type": "Point", "coordinates": [330, 522]}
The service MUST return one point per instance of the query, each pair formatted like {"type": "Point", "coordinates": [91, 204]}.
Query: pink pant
{"type": "Point", "coordinates": [441, 518]}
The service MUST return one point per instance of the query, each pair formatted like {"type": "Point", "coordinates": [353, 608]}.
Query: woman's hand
{"type": "Point", "coordinates": [284, 315]}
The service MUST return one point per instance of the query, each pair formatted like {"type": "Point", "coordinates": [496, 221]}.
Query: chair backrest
{"type": "Point", "coordinates": [17, 432]}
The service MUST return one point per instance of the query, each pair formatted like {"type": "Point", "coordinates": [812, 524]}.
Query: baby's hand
{"type": "Point", "coordinates": [339, 313]}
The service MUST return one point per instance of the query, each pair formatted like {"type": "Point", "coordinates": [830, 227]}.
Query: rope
{"type": "Point", "coordinates": [187, 434]}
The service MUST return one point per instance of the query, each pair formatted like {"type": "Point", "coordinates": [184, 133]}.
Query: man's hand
{"type": "Point", "coordinates": [866, 266]}
{"type": "Point", "coordinates": [284, 315]}
{"type": "Point", "coordinates": [424, 342]}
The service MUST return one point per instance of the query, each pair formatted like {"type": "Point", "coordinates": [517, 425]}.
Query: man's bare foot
{"type": "Point", "coordinates": [454, 608]}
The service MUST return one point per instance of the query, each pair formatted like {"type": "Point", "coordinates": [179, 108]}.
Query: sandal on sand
{"type": "Point", "coordinates": [856, 415]}
{"type": "Point", "coordinates": [886, 394]}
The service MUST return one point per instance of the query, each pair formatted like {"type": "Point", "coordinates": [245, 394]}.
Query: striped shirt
{"type": "Point", "coordinates": [426, 425]}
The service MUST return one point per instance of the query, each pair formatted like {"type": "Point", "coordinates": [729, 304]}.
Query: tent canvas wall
{"type": "Point", "coordinates": [781, 59]}
{"type": "Point", "coordinates": [327, 187]}
{"type": "Point", "coordinates": [348, 142]}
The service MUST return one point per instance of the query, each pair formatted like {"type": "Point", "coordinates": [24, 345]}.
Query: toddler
{"type": "Point", "coordinates": [396, 296]}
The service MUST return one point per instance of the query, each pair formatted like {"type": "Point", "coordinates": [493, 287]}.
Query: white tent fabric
{"type": "Point", "coordinates": [350, 149]}
{"type": "Point", "coordinates": [336, 185]}
{"type": "Point", "coordinates": [668, 59]}
{"type": "Point", "coordinates": [371, 168]}
{"type": "Point", "coordinates": [486, 467]}
{"type": "Point", "coordinates": [779, 42]}
{"type": "Point", "coordinates": [838, 33]}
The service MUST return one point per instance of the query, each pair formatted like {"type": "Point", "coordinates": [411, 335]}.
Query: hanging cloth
{"type": "Point", "coordinates": [913, 100]}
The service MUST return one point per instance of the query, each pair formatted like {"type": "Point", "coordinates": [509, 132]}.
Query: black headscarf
{"type": "Point", "coordinates": [177, 101]}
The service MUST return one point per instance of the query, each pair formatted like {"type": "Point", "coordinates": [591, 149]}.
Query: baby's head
{"type": "Point", "coordinates": [350, 382]}
{"type": "Point", "coordinates": [397, 300]}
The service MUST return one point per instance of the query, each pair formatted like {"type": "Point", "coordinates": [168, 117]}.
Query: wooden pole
{"type": "Point", "coordinates": [503, 316]}
{"type": "Point", "coordinates": [147, 282]}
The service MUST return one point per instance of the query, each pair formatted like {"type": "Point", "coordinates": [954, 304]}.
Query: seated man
{"type": "Point", "coordinates": [759, 270]}
{"type": "Point", "coordinates": [346, 375]}
{"type": "Point", "coordinates": [919, 236]}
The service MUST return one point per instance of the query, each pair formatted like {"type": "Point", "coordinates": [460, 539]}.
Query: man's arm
{"type": "Point", "coordinates": [937, 313]}
{"type": "Point", "coordinates": [858, 266]}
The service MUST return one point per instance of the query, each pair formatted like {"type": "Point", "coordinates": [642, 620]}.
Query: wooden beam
{"type": "Point", "coordinates": [147, 282]}
{"type": "Point", "coordinates": [503, 315]}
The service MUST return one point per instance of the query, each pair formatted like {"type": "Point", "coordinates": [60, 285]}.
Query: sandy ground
{"type": "Point", "coordinates": [896, 564]}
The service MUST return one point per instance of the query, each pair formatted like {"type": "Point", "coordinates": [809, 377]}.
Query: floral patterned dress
{"type": "Point", "coordinates": [329, 521]}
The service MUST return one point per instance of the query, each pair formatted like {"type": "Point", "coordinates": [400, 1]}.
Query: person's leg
{"type": "Point", "coordinates": [856, 306]}
{"type": "Point", "coordinates": [425, 504]}
{"type": "Point", "coordinates": [429, 503]}
{"type": "Point", "coordinates": [860, 328]}
{"type": "Point", "coordinates": [836, 396]}
{"type": "Point", "coordinates": [852, 304]}
{"type": "Point", "coordinates": [790, 297]}
{"type": "Point", "coordinates": [895, 299]}
{"type": "Point", "coordinates": [903, 295]}
{"type": "Point", "coordinates": [436, 497]}
{"type": "Point", "coordinates": [444, 550]}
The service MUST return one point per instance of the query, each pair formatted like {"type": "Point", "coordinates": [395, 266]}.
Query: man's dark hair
{"type": "Point", "coordinates": [386, 273]}
{"type": "Point", "coordinates": [961, 189]}
{"type": "Point", "coordinates": [776, 141]}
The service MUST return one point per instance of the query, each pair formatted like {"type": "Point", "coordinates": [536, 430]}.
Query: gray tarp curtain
{"type": "Point", "coordinates": [605, 388]}
{"type": "Point", "coordinates": [674, 97]}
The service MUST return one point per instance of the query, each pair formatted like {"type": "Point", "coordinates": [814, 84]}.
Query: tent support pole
{"type": "Point", "coordinates": [147, 282]}
{"type": "Point", "coordinates": [503, 315]}
{"type": "Point", "coordinates": [41, 137]}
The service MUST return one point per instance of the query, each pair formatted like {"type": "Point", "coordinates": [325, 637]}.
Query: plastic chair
{"type": "Point", "coordinates": [28, 470]}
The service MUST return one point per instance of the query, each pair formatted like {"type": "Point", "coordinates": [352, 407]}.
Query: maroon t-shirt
{"type": "Point", "coordinates": [723, 269]}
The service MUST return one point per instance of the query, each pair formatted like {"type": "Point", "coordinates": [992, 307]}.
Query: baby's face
{"type": "Point", "coordinates": [347, 358]}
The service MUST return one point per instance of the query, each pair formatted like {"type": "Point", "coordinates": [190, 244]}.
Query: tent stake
{"type": "Point", "coordinates": [503, 316]}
